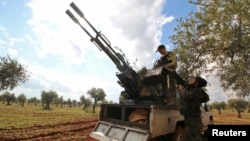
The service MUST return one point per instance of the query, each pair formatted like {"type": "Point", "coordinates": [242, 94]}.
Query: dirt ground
{"type": "Point", "coordinates": [68, 131]}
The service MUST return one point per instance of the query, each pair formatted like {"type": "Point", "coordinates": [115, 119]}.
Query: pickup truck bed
{"type": "Point", "coordinates": [115, 122]}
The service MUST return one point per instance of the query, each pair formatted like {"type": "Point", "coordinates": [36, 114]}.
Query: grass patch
{"type": "Point", "coordinates": [14, 116]}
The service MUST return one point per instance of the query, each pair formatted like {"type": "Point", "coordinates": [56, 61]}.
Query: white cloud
{"type": "Point", "coordinates": [3, 43]}
{"type": "Point", "coordinates": [12, 52]}
{"type": "Point", "coordinates": [133, 26]}
{"type": "Point", "coordinates": [9, 43]}
{"type": "Point", "coordinates": [215, 90]}
{"type": "Point", "coordinates": [3, 31]}
{"type": "Point", "coordinates": [69, 85]}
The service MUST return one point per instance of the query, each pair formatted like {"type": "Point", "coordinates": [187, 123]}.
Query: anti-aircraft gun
{"type": "Point", "coordinates": [129, 79]}
{"type": "Point", "coordinates": [141, 119]}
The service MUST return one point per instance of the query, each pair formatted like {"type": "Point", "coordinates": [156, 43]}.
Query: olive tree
{"type": "Point", "coordinates": [21, 99]}
{"type": "Point", "coordinates": [47, 98]}
{"type": "Point", "coordinates": [97, 94]}
{"type": "Point", "coordinates": [12, 73]}
{"type": "Point", "coordinates": [240, 105]}
{"type": "Point", "coordinates": [218, 106]}
{"type": "Point", "coordinates": [85, 101]}
{"type": "Point", "coordinates": [9, 98]}
{"type": "Point", "coordinates": [215, 39]}
{"type": "Point", "coordinates": [33, 100]}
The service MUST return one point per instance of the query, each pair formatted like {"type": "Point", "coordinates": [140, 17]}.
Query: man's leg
{"type": "Point", "coordinates": [193, 128]}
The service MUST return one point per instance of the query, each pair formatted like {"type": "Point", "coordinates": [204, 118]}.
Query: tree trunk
{"type": "Point", "coordinates": [94, 108]}
{"type": "Point", "coordinates": [239, 115]}
{"type": "Point", "coordinates": [47, 106]}
{"type": "Point", "coordinates": [8, 102]}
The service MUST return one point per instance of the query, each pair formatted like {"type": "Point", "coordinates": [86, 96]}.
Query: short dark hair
{"type": "Point", "coordinates": [160, 47]}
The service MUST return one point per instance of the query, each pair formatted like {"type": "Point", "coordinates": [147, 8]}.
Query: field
{"type": "Point", "coordinates": [31, 123]}
{"type": "Point", "coordinates": [231, 117]}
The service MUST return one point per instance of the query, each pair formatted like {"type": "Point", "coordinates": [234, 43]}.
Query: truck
{"type": "Point", "coordinates": [144, 113]}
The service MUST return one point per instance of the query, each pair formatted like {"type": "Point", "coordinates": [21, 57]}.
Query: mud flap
{"type": "Point", "coordinates": [105, 131]}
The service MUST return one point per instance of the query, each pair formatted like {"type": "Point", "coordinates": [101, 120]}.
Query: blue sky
{"type": "Point", "coordinates": [60, 56]}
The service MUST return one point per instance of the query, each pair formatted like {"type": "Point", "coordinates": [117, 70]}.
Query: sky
{"type": "Point", "coordinates": [59, 55]}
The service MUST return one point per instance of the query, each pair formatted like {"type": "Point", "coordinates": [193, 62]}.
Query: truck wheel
{"type": "Point", "coordinates": [179, 134]}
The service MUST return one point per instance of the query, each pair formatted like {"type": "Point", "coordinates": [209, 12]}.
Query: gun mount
{"type": "Point", "coordinates": [129, 79]}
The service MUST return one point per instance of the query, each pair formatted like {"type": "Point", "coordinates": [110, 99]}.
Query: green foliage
{"type": "Point", "coordinates": [218, 105]}
{"type": "Point", "coordinates": [97, 94]}
{"type": "Point", "coordinates": [215, 38]}
{"type": "Point", "coordinates": [58, 101]}
{"type": "Point", "coordinates": [9, 98]}
{"type": "Point", "coordinates": [48, 97]}
{"type": "Point", "coordinates": [21, 99]}
{"type": "Point", "coordinates": [69, 102]}
{"type": "Point", "coordinates": [12, 73]}
{"type": "Point", "coordinates": [85, 101]}
{"type": "Point", "coordinates": [238, 104]}
{"type": "Point", "coordinates": [33, 101]}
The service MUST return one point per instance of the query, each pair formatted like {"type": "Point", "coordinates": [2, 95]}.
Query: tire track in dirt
{"type": "Point", "coordinates": [65, 131]}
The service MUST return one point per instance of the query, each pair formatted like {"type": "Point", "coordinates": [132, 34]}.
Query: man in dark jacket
{"type": "Point", "coordinates": [191, 97]}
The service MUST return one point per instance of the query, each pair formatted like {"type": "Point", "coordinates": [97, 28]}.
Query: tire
{"type": "Point", "coordinates": [179, 134]}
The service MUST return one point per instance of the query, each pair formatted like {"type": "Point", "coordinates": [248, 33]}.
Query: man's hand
{"type": "Point", "coordinates": [181, 87]}
{"type": "Point", "coordinates": [168, 65]}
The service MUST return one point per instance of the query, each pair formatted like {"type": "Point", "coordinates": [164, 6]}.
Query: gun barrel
{"type": "Point", "coordinates": [78, 11]}
{"type": "Point", "coordinates": [100, 40]}
{"type": "Point", "coordinates": [128, 77]}
{"type": "Point", "coordinates": [72, 16]}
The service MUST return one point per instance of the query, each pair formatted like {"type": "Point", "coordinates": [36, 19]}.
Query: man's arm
{"type": "Point", "coordinates": [178, 79]}
{"type": "Point", "coordinates": [199, 95]}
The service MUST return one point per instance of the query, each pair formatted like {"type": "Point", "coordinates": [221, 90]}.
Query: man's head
{"type": "Point", "coordinates": [161, 49]}
{"type": "Point", "coordinates": [198, 82]}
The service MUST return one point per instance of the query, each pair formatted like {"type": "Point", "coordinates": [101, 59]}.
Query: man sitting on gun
{"type": "Point", "coordinates": [168, 60]}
